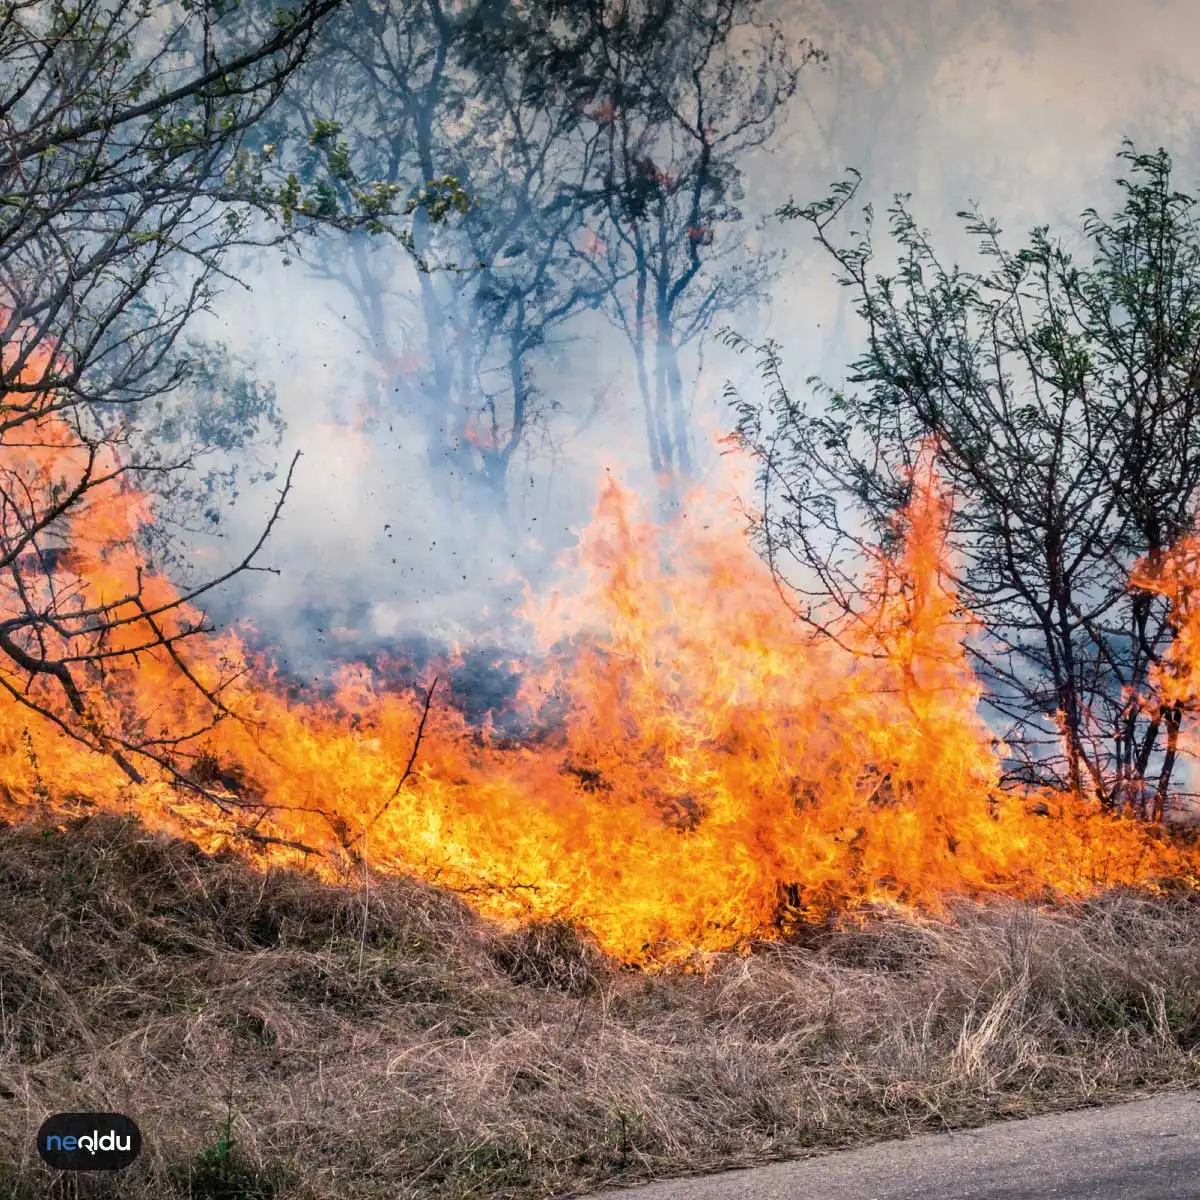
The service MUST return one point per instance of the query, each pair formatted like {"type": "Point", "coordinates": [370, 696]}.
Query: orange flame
{"type": "Point", "coordinates": [706, 771]}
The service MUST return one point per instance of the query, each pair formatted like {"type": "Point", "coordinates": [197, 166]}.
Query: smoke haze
{"type": "Point", "coordinates": [1021, 108]}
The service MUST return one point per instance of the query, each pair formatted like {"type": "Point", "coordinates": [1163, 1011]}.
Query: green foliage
{"type": "Point", "coordinates": [220, 1171]}
{"type": "Point", "coordinates": [325, 187]}
{"type": "Point", "coordinates": [439, 198]}
{"type": "Point", "coordinates": [1060, 398]}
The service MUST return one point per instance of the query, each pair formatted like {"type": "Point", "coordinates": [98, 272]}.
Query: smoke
{"type": "Point", "coordinates": [1020, 108]}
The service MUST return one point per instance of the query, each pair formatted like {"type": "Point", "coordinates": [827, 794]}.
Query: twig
{"type": "Point", "coordinates": [412, 758]}
{"type": "Point", "coordinates": [266, 839]}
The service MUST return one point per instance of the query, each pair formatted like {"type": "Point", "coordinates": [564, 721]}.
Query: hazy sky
{"type": "Point", "coordinates": [1021, 106]}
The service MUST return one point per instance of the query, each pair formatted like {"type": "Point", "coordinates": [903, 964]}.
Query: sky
{"type": "Point", "coordinates": [1018, 106]}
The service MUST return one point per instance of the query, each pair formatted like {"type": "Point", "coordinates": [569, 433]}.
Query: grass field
{"type": "Point", "coordinates": [278, 1038]}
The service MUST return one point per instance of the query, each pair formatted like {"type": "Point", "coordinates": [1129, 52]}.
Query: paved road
{"type": "Point", "coordinates": [1145, 1150]}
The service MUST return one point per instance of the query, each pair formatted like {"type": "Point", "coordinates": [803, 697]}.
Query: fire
{"type": "Point", "coordinates": [1175, 575]}
{"type": "Point", "coordinates": [702, 770]}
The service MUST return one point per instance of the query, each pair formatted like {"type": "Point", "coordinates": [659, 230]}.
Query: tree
{"type": "Point", "coordinates": [682, 94]}
{"type": "Point", "coordinates": [436, 107]}
{"type": "Point", "coordinates": [125, 183]}
{"type": "Point", "coordinates": [601, 145]}
{"type": "Point", "coordinates": [1059, 402]}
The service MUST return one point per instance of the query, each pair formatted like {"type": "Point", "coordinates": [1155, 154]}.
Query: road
{"type": "Point", "coordinates": [1144, 1150]}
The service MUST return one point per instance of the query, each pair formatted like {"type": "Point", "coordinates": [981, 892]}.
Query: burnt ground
{"type": "Point", "coordinates": [279, 1038]}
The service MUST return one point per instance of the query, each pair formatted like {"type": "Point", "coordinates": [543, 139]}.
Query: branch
{"type": "Point", "coordinates": [412, 758]}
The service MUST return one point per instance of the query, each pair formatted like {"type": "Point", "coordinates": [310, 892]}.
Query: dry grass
{"type": "Point", "coordinates": [395, 1045]}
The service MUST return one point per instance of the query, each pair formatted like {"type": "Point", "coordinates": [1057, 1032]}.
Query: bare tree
{"type": "Point", "coordinates": [1060, 400]}
{"type": "Point", "coordinates": [683, 93]}
{"type": "Point", "coordinates": [125, 183]}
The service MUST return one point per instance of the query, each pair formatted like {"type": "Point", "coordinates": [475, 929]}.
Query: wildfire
{"type": "Point", "coordinates": [703, 770]}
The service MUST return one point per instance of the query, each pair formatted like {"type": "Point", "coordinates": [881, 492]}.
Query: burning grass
{"type": "Point", "coordinates": [706, 770]}
{"type": "Point", "coordinates": [702, 769]}
{"type": "Point", "coordinates": [387, 1041]}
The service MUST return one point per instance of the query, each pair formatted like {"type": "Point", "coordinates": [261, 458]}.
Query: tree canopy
{"type": "Point", "coordinates": [1056, 390]}
{"type": "Point", "coordinates": [594, 155]}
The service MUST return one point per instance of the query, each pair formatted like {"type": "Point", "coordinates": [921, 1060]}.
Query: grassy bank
{"type": "Point", "coordinates": [278, 1038]}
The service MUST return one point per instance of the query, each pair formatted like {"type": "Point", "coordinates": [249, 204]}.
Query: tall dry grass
{"type": "Point", "coordinates": [278, 1038]}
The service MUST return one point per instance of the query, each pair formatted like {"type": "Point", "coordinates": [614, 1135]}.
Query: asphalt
{"type": "Point", "coordinates": [1143, 1150]}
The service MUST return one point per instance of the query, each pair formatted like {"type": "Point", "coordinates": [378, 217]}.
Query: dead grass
{"type": "Point", "coordinates": [393, 1045]}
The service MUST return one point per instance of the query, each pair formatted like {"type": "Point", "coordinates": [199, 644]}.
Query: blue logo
{"type": "Point", "coordinates": [89, 1141]}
